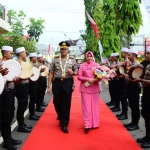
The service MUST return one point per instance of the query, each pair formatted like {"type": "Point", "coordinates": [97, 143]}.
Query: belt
{"type": "Point", "coordinates": [41, 77]}
{"type": "Point", "coordinates": [63, 79]}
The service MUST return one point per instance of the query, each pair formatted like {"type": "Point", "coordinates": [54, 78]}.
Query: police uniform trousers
{"type": "Point", "coordinates": [33, 96]}
{"type": "Point", "coordinates": [62, 91]}
{"type": "Point", "coordinates": [7, 112]}
{"type": "Point", "coordinates": [146, 109]}
{"type": "Point", "coordinates": [41, 88]}
{"type": "Point", "coordinates": [123, 95]}
{"type": "Point", "coordinates": [133, 91]}
{"type": "Point", "coordinates": [22, 97]}
{"type": "Point", "coordinates": [115, 89]}
{"type": "Point", "coordinates": [110, 86]}
{"type": "Point", "coordinates": [0, 112]}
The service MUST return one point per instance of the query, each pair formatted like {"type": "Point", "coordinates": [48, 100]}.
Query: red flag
{"type": "Point", "coordinates": [49, 48]}
{"type": "Point", "coordinates": [94, 26]}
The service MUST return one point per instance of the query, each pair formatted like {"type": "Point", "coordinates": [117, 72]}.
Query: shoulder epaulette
{"type": "Point", "coordinates": [71, 57]}
{"type": "Point", "coordinates": [56, 57]}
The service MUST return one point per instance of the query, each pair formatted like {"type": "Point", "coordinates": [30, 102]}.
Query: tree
{"type": "Point", "coordinates": [110, 39]}
{"type": "Point", "coordinates": [35, 29]}
{"type": "Point", "coordinates": [128, 17]}
{"type": "Point", "coordinates": [16, 21]}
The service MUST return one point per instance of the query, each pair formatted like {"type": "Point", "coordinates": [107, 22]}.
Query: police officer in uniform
{"type": "Point", "coordinates": [112, 101]}
{"type": "Point", "coordinates": [133, 95]}
{"type": "Point", "coordinates": [7, 105]}
{"type": "Point", "coordinates": [41, 85]}
{"type": "Point", "coordinates": [115, 84]}
{"type": "Point", "coordinates": [146, 102]}
{"type": "Point", "coordinates": [33, 90]}
{"type": "Point", "coordinates": [62, 70]}
{"type": "Point", "coordinates": [22, 95]}
{"type": "Point", "coordinates": [123, 88]}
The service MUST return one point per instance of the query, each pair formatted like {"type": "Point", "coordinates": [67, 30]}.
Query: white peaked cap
{"type": "Point", "coordinates": [148, 50]}
{"type": "Point", "coordinates": [20, 49]}
{"type": "Point", "coordinates": [7, 48]}
{"type": "Point", "coordinates": [32, 55]}
{"type": "Point", "coordinates": [134, 51]}
{"type": "Point", "coordinates": [39, 55]}
{"type": "Point", "coordinates": [114, 54]}
{"type": "Point", "coordinates": [124, 49]}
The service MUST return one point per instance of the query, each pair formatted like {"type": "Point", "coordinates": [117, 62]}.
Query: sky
{"type": "Point", "coordinates": [61, 17]}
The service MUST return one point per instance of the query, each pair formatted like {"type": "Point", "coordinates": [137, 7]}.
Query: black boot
{"type": "Point", "coordinates": [8, 145]}
{"type": "Point", "coordinates": [15, 142]}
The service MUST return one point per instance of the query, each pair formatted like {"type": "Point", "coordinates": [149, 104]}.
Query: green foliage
{"type": "Point", "coordinates": [16, 38]}
{"type": "Point", "coordinates": [128, 17]}
{"type": "Point", "coordinates": [16, 21]}
{"type": "Point", "coordinates": [35, 29]}
{"type": "Point", "coordinates": [18, 41]}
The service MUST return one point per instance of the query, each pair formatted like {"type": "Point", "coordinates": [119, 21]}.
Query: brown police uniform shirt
{"type": "Point", "coordinates": [70, 64]}
{"type": "Point", "coordinates": [147, 76]}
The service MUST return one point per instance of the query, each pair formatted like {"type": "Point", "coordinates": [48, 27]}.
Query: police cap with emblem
{"type": "Point", "coordinates": [64, 44]}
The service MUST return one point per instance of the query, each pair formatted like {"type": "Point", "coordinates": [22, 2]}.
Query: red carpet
{"type": "Point", "coordinates": [111, 135]}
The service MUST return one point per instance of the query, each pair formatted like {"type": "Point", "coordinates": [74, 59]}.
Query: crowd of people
{"type": "Point", "coordinates": [24, 89]}
{"type": "Point", "coordinates": [126, 91]}
{"type": "Point", "coordinates": [61, 83]}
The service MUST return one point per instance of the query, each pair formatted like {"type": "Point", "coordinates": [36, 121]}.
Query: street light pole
{"type": "Point", "coordinates": [67, 37]}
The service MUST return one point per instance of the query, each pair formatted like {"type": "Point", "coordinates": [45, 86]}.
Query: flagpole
{"type": "Point", "coordinates": [100, 49]}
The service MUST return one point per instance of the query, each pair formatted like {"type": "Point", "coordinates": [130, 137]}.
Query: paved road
{"type": "Point", "coordinates": [104, 95]}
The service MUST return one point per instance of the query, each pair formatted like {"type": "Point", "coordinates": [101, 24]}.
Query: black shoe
{"type": "Point", "coordinates": [24, 129]}
{"type": "Point", "coordinates": [44, 104]}
{"type": "Point", "coordinates": [145, 144]}
{"type": "Point", "coordinates": [33, 117]}
{"type": "Point", "coordinates": [28, 126]}
{"type": "Point", "coordinates": [86, 130]}
{"type": "Point", "coordinates": [110, 104]}
{"type": "Point", "coordinates": [9, 146]}
{"type": "Point", "coordinates": [64, 129]}
{"type": "Point", "coordinates": [115, 109]}
{"type": "Point", "coordinates": [133, 127]}
{"type": "Point", "coordinates": [38, 116]}
{"type": "Point", "coordinates": [118, 115]}
{"type": "Point", "coordinates": [128, 125]}
{"type": "Point", "coordinates": [142, 140]}
{"type": "Point", "coordinates": [123, 117]}
{"type": "Point", "coordinates": [15, 142]}
{"type": "Point", "coordinates": [40, 109]}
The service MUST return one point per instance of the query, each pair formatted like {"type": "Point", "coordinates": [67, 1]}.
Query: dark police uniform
{"type": "Point", "coordinates": [133, 94]}
{"type": "Point", "coordinates": [115, 89]}
{"type": "Point", "coordinates": [62, 88]}
{"type": "Point", "coordinates": [7, 110]}
{"type": "Point", "coordinates": [41, 88]}
{"type": "Point", "coordinates": [32, 96]}
{"type": "Point", "coordinates": [122, 83]}
{"type": "Point", "coordinates": [146, 107]}
{"type": "Point", "coordinates": [22, 96]}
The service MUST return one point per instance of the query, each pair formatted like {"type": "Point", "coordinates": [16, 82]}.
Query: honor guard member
{"type": "Point", "coordinates": [115, 84]}
{"type": "Point", "coordinates": [123, 88]}
{"type": "Point", "coordinates": [146, 103]}
{"type": "Point", "coordinates": [133, 94]}
{"type": "Point", "coordinates": [33, 90]}
{"type": "Point", "coordinates": [22, 89]}
{"type": "Point", "coordinates": [62, 70]}
{"type": "Point", "coordinates": [7, 105]}
{"type": "Point", "coordinates": [110, 85]}
{"type": "Point", "coordinates": [41, 85]}
{"type": "Point", "coordinates": [3, 72]}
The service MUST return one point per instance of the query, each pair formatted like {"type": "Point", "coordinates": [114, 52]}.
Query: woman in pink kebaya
{"type": "Point", "coordinates": [89, 93]}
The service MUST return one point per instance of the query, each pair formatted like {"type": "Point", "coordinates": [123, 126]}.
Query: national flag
{"type": "Point", "coordinates": [94, 26]}
{"type": "Point", "coordinates": [49, 48]}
